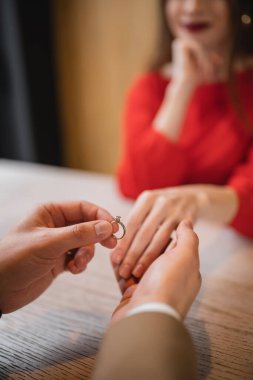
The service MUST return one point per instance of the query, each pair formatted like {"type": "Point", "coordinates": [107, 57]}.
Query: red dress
{"type": "Point", "coordinates": [214, 146]}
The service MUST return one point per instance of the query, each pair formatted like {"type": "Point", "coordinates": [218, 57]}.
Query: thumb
{"type": "Point", "coordinates": [82, 234]}
{"type": "Point", "coordinates": [186, 237]}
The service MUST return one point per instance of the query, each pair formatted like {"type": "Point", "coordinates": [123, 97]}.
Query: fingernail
{"type": "Point", "coordinates": [125, 271]}
{"type": "Point", "coordinates": [138, 270]}
{"type": "Point", "coordinates": [103, 229]}
{"type": "Point", "coordinates": [80, 262]}
{"type": "Point", "coordinates": [188, 223]}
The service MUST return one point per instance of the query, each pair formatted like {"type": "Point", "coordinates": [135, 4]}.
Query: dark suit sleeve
{"type": "Point", "coordinates": [150, 346]}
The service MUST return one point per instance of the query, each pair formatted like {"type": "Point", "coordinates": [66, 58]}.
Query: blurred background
{"type": "Point", "coordinates": [65, 67]}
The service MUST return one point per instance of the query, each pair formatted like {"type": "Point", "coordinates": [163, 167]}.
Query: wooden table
{"type": "Point", "coordinates": [57, 336]}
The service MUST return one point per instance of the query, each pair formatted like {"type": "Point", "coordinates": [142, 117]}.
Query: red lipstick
{"type": "Point", "coordinates": [196, 26]}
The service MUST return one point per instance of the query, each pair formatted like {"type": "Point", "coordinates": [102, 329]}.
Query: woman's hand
{"type": "Point", "coordinates": [173, 278]}
{"type": "Point", "coordinates": [54, 238]}
{"type": "Point", "coordinates": [157, 214]}
{"type": "Point", "coordinates": [192, 64]}
{"type": "Point", "coordinates": [150, 226]}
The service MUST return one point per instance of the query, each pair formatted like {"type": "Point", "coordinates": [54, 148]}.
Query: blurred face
{"type": "Point", "coordinates": [205, 21]}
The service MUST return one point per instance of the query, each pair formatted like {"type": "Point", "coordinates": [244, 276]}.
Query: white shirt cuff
{"type": "Point", "coordinates": [155, 307]}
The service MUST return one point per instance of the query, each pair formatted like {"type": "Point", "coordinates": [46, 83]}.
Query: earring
{"type": "Point", "coordinates": [246, 19]}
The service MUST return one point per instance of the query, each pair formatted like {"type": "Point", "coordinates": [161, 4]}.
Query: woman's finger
{"type": "Point", "coordinates": [144, 236]}
{"type": "Point", "coordinates": [160, 241]}
{"type": "Point", "coordinates": [136, 218]}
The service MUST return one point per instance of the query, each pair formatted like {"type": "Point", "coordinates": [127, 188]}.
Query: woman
{"type": "Point", "coordinates": [189, 129]}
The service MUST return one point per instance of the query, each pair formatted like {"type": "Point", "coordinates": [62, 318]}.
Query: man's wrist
{"type": "Point", "coordinates": [154, 307]}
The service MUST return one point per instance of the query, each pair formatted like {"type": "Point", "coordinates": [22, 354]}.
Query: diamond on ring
{"type": "Point", "coordinates": [117, 220]}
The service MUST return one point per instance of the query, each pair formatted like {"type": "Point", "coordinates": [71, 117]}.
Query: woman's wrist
{"type": "Point", "coordinates": [169, 118]}
{"type": "Point", "coordinates": [203, 203]}
{"type": "Point", "coordinates": [217, 203]}
{"type": "Point", "coordinates": [181, 87]}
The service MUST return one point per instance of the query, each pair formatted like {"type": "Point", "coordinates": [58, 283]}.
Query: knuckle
{"type": "Point", "coordinates": [162, 200]}
{"type": "Point", "coordinates": [145, 195]}
{"type": "Point", "coordinates": [45, 206]}
{"type": "Point", "coordinates": [46, 210]}
{"type": "Point", "coordinates": [41, 240]}
{"type": "Point", "coordinates": [132, 257]}
{"type": "Point", "coordinates": [132, 225]}
{"type": "Point", "coordinates": [162, 204]}
{"type": "Point", "coordinates": [41, 208]}
{"type": "Point", "coordinates": [77, 231]}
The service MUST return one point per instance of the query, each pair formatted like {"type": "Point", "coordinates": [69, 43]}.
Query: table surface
{"type": "Point", "coordinates": [58, 335]}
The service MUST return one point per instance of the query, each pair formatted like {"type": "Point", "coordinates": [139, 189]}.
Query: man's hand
{"type": "Point", "coordinates": [173, 278]}
{"type": "Point", "coordinates": [54, 238]}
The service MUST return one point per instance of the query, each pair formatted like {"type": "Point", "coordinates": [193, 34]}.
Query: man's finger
{"type": "Point", "coordinates": [82, 234]}
{"type": "Point", "coordinates": [80, 259]}
{"type": "Point", "coordinates": [185, 234]}
{"type": "Point", "coordinates": [73, 212]}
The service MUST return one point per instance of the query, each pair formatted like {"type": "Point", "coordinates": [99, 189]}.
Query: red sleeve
{"type": "Point", "coordinates": [242, 182]}
{"type": "Point", "coordinates": [150, 160]}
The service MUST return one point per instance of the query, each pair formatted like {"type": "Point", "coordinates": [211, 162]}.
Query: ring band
{"type": "Point", "coordinates": [117, 220]}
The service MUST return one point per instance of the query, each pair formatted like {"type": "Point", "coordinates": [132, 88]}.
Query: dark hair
{"type": "Point", "coordinates": [242, 48]}
{"type": "Point", "coordinates": [242, 33]}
